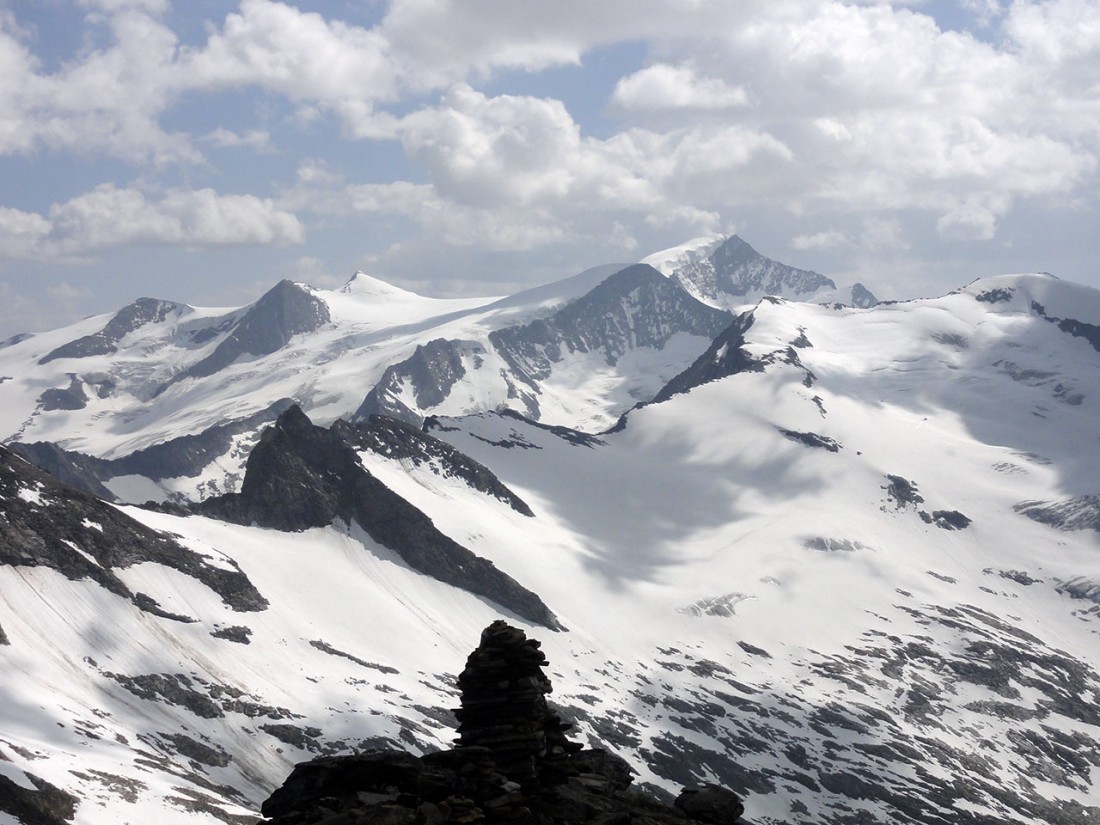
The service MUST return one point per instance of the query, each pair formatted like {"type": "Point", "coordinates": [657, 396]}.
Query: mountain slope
{"type": "Point", "coordinates": [301, 476]}
{"type": "Point", "coordinates": [845, 565]}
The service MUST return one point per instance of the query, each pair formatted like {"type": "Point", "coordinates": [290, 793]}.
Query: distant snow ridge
{"type": "Point", "coordinates": [535, 365]}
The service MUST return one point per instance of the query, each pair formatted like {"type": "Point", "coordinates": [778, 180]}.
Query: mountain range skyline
{"type": "Point", "coordinates": [201, 151]}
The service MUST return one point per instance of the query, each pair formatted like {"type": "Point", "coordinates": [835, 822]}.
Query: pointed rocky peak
{"type": "Point", "coordinates": [286, 310]}
{"type": "Point", "coordinates": [862, 297]}
{"type": "Point", "coordinates": [293, 420]}
{"type": "Point", "coordinates": [128, 319]}
{"type": "Point", "coordinates": [729, 272]}
{"type": "Point", "coordinates": [857, 296]}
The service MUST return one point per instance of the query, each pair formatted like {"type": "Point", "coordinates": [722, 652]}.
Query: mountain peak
{"type": "Point", "coordinates": [130, 318]}
{"type": "Point", "coordinates": [285, 310]}
{"type": "Point", "coordinates": [727, 272]}
{"type": "Point", "coordinates": [367, 285]}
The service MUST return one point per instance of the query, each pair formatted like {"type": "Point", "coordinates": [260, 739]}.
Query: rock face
{"type": "Point", "coordinates": [128, 319]}
{"type": "Point", "coordinates": [301, 476]}
{"type": "Point", "coordinates": [512, 763]}
{"type": "Point", "coordinates": [45, 523]}
{"type": "Point", "coordinates": [730, 272]}
{"type": "Point", "coordinates": [286, 310]}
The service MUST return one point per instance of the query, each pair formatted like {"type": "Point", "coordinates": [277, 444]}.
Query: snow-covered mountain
{"type": "Point", "coordinates": [172, 397]}
{"type": "Point", "coordinates": [727, 272]}
{"type": "Point", "coordinates": [845, 562]}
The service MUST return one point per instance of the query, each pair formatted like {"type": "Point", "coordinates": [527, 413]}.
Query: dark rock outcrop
{"type": "Point", "coordinates": [48, 524]}
{"type": "Point", "coordinates": [301, 476]}
{"type": "Point", "coordinates": [512, 764]}
{"type": "Point", "coordinates": [84, 472]}
{"type": "Point", "coordinates": [45, 804]}
{"type": "Point", "coordinates": [1078, 513]}
{"type": "Point", "coordinates": [726, 356]}
{"type": "Point", "coordinates": [397, 439]}
{"type": "Point", "coordinates": [811, 439]}
{"type": "Point", "coordinates": [71, 397]}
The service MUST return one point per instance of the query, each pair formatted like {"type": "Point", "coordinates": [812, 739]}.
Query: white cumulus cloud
{"type": "Point", "coordinates": [665, 87]}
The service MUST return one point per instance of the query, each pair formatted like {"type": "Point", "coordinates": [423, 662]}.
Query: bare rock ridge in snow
{"type": "Point", "coordinates": [635, 308]}
{"type": "Point", "coordinates": [126, 320]}
{"type": "Point", "coordinates": [512, 762]}
{"type": "Point", "coordinates": [300, 476]}
{"type": "Point", "coordinates": [288, 309]}
{"type": "Point", "coordinates": [726, 356]}
{"type": "Point", "coordinates": [47, 524]}
{"type": "Point", "coordinates": [728, 272]}
{"type": "Point", "coordinates": [398, 440]}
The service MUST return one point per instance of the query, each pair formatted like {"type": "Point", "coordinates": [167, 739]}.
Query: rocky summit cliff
{"type": "Point", "coordinates": [512, 763]}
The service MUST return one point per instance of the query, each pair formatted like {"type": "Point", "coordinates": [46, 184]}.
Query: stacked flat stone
{"type": "Point", "coordinates": [504, 708]}
{"type": "Point", "coordinates": [512, 765]}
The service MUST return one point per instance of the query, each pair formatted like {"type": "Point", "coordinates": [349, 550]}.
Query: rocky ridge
{"type": "Point", "coordinates": [728, 272]}
{"type": "Point", "coordinates": [635, 308]}
{"type": "Point", "coordinates": [48, 524]}
{"type": "Point", "coordinates": [300, 476]}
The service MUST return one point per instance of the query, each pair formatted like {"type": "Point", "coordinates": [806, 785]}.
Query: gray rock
{"type": "Point", "coordinates": [711, 804]}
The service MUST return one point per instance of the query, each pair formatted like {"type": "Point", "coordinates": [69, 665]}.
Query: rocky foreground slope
{"type": "Point", "coordinates": [513, 762]}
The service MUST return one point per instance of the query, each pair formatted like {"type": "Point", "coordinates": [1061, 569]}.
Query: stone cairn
{"type": "Point", "coordinates": [504, 709]}
{"type": "Point", "coordinates": [512, 763]}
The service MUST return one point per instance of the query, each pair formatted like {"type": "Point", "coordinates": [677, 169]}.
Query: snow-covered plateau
{"type": "Point", "coordinates": [838, 556]}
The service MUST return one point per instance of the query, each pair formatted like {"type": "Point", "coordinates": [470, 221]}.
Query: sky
{"type": "Point", "coordinates": [201, 151]}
